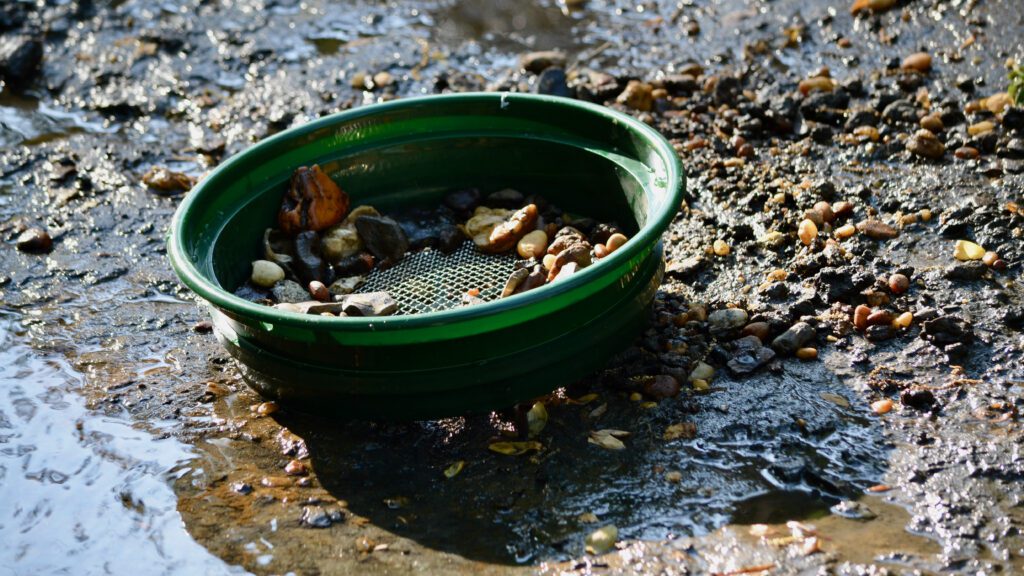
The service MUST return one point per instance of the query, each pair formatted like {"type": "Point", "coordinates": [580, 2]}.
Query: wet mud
{"type": "Point", "coordinates": [117, 405]}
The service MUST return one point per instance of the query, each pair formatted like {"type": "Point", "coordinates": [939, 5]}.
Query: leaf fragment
{"type": "Point", "coordinates": [607, 439]}
{"type": "Point", "coordinates": [515, 448]}
{"type": "Point", "coordinates": [602, 540]}
{"type": "Point", "coordinates": [536, 419]}
{"type": "Point", "coordinates": [453, 470]}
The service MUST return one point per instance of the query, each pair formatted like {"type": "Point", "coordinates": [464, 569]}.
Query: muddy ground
{"type": "Point", "coordinates": [931, 486]}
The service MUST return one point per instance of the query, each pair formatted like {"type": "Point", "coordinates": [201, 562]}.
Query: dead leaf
{"type": "Point", "coordinates": [515, 448]}
{"type": "Point", "coordinates": [453, 470]}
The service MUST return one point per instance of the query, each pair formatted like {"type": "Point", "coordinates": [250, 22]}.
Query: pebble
{"type": "Point", "coordinates": [165, 181]}
{"type": "Point", "coordinates": [807, 232]}
{"type": "Point", "coordinates": [825, 209]}
{"type": "Point", "coordinates": [879, 318]}
{"type": "Point", "coordinates": [21, 60]}
{"type": "Point", "coordinates": [34, 241]}
{"type": "Point", "coordinates": [637, 95]}
{"type": "Point", "coordinates": [759, 329]}
{"type": "Point", "coordinates": [877, 230]}
{"type": "Point", "coordinates": [748, 355]}
{"type": "Point", "coordinates": [203, 327]}
{"type": "Point", "coordinates": [917, 62]}
{"type": "Point", "coordinates": [794, 338]}
{"type": "Point", "coordinates": [807, 353]}
{"type": "Point", "coordinates": [903, 320]}
{"type": "Point", "coordinates": [533, 245]}
{"type": "Point", "coordinates": [266, 273]}
{"type": "Point", "coordinates": [845, 231]}
{"type": "Point", "coordinates": [319, 291]}
{"type": "Point", "coordinates": [295, 468]}
{"type": "Point", "coordinates": [661, 387]}
{"type": "Point", "coordinates": [289, 291]}
{"type": "Point", "coordinates": [898, 283]}
{"type": "Point", "coordinates": [881, 406]}
{"type": "Point", "coordinates": [966, 153]}
{"type": "Point", "coordinates": [980, 128]}
{"type": "Point", "coordinates": [924, 143]}
{"type": "Point", "coordinates": [266, 408]}
{"type": "Point", "coordinates": [600, 251]}
{"type": "Point", "coordinates": [816, 84]}
{"type": "Point", "coordinates": [549, 261]}
{"type": "Point", "coordinates": [721, 248]}
{"type": "Point", "coordinates": [703, 371]}
{"type": "Point", "coordinates": [860, 316]}
{"type": "Point", "coordinates": [964, 250]}
{"type": "Point", "coordinates": [933, 123]}
{"type": "Point", "coordinates": [723, 321]}
{"type": "Point", "coordinates": [615, 241]}
{"type": "Point", "coordinates": [990, 258]}
{"type": "Point", "coordinates": [537, 62]}
{"type": "Point", "coordinates": [842, 209]}
{"type": "Point", "coordinates": [853, 510]}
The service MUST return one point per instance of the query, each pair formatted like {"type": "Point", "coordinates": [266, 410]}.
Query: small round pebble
{"type": "Point", "coordinates": [266, 408]}
{"type": "Point", "coordinates": [966, 153]}
{"type": "Point", "coordinates": [825, 209]}
{"type": "Point", "coordinates": [807, 232]}
{"type": "Point", "coordinates": [533, 245]}
{"type": "Point", "coordinates": [265, 273]}
{"type": "Point", "coordinates": [860, 316]}
{"type": "Point", "coordinates": [917, 62]}
{"type": "Point", "coordinates": [615, 241]}
{"type": "Point", "coordinates": [898, 283]}
{"type": "Point", "coordinates": [845, 231]}
{"type": "Point", "coordinates": [549, 261]}
{"type": "Point", "coordinates": [759, 329]}
{"type": "Point", "coordinates": [933, 122]}
{"type": "Point", "coordinates": [807, 353]}
{"type": "Point", "coordinates": [721, 248]}
{"type": "Point", "coordinates": [881, 406]}
{"type": "Point", "coordinates": [600, 250]}
{"type": "Point", "coordinates": [903, 320]}
{"type": "Point", "coordinates": [989, 258]}
{"type": "Point", "coordinates": [319, 291]}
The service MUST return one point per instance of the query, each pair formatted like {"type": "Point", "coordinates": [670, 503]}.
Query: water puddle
{"type": "Point", "coordinates": [29, 122]}
{"type": "Point", "coordinates": [78, 487]}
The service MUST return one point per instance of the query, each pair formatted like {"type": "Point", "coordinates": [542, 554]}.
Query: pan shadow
{"type": "Point", "coordinates": [784, 444]}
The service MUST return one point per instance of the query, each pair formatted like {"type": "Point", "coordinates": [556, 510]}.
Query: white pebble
{"type": "Point", "coordinates": [265, 273]}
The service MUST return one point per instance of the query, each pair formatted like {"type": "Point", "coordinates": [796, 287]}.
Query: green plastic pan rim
{"type": "Point", "coordinates": [633, 250]}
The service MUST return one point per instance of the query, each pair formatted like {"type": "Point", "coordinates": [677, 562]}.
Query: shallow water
{"type": "Point", "coordinates": [28, 122]}
{"type": "Point", "coordinates": [83, 493]}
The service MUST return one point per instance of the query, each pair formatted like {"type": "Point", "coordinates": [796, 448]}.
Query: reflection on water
{"type": "Point", "coordinates": [82, 493]}
{"type": "Point", "coordinates": [25, 121]}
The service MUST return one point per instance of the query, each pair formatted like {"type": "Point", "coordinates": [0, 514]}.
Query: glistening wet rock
{"type": "Point", "coordinates": [721, 322]}
{"type": "Point", "coordinates": [21, 59]}
{"type": "Point", "coordinates": [797, 335]}
{"type": "Point", "coordinates": [748, 355]}
{"type": "Point", "coordinates": [34, 241]}
{"type": "Point", "coordinates": [383, 237]}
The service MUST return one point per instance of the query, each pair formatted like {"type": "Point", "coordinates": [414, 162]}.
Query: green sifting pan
{"type": "Point", "coordinates": [435, 357]}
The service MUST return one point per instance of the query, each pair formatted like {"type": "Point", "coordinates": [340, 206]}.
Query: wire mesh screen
{"type": "Point", "coordinates": [430, 281]}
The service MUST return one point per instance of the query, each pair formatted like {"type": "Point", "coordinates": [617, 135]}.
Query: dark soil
{"type": "Point", "coordinates": [123, 86]}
